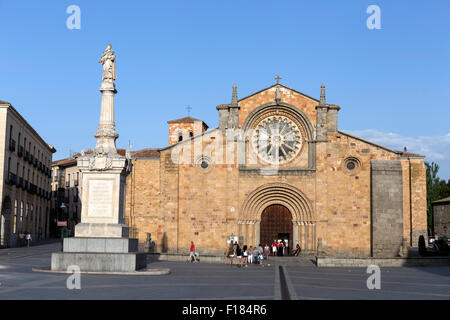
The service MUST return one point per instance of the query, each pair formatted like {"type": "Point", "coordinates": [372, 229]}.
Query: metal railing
{"type": "Point", "coordinates": [12, 145]}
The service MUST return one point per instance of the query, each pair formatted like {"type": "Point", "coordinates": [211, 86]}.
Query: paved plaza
{"type": "Point", "coordinates": [192, 281]}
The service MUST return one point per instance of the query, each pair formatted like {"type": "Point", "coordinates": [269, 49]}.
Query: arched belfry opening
{"type": "Point", "coordinates": [278, 208]}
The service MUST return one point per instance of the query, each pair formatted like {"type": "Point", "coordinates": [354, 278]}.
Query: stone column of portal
{"type": "Point", "coordinates": [240, 229]}
{"type": "Point", "coordinates": [300, 225]}
{"type": "Point", "coordinates": [246, 233]}
{"type": "Point", "coordinates": [306, 236]}
{"type": "Point", "coordinates": [313, 237]}
{"type": "Point", "coordinates": [294, 234]}
{"type": "Point", "coordinates": [257, 233]}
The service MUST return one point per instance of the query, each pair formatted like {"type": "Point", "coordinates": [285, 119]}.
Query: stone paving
{"type": "Point", "coordinates": [193, 281]}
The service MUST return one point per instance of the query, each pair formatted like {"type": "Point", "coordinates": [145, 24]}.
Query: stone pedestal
{"type": "Point", "coordinates": [100, 254]}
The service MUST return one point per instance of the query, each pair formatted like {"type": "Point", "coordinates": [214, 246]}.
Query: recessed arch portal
{"type": "Point", "coordinates": [277, 193]}
{"type": "Point", "coordinates": [283, 194]}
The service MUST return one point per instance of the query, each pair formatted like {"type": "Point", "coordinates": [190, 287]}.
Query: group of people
{"type": "Point", "coordinates": [281, 249]}
{"type": "Point", "coordinates": [248, 255]}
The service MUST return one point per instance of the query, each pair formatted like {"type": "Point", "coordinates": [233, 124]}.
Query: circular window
{"type": "Point", "coordinates": [277, 139]}
{"type": "Point", "coordinates": [351, 165]}
{"type": "Point", "coordinates": [204, 164]}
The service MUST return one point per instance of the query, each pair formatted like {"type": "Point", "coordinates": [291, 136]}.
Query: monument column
{"type": "Point", "coordinates": [101, 241]}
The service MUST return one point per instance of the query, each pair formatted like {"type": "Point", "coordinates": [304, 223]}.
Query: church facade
{"type": "Point", "coordinates": [277, 167]}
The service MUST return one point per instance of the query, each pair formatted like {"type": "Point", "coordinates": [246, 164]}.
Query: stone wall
{"type": "Point", "coordinates": [387, 208]}
{"type": "Point", "coordinates": [180, 203]}
{"type": "Point", "coordinates": [441, 219]}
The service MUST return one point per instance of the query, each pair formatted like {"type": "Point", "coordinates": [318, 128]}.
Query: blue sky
{"type": "Point", "coordinates": [392, 84]}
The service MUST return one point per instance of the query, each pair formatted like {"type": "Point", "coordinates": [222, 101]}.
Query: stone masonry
{"type": "Point", "coordinates": [333, 187]}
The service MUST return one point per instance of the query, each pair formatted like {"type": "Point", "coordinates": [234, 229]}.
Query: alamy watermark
{"type": "Point", "coordinates": [374, 280]}
{"type": "Point", "coordinates": [74, 280]}
{"type": "Point", "coordinates": [74, 20]}
{"type": "Point", "coordinates": [374, 20]}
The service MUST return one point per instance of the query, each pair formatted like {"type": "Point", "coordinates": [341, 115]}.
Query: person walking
{"type": "Point", "coordinates": [260, 254]}
{"type": "Point", "coordinates": [274, 248]}
{"type": "Point", "coordinates": [280, 249]}
{"type": "Point", "coordinates": [230, 252]}
{"type": "Point", "coordinates": [192, 253]}
{"type": "Point", "coordinates": [239, 255]}
{"type": "Point", "coordinates": [297, 250]}
{"type": "Point", "coordinates": [267, 253]}
{"type": "Point", "coordinates": [28, 238]}
{"type": "Point", "coordinates": [250, 256]}
{"type": "Point", "coordinates": [255, 254]}
{"type": "Point", "coordinates": [245, 255]}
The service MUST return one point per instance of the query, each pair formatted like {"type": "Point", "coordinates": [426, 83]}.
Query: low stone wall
{"type": "Point", "coordinates": [383, 262]}
{"type": "Point", "coordinates": [184, 258]}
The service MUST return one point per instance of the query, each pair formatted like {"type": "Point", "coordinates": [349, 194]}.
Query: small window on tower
{"type": "Point", "coordinates": [191, 134]}
{"type": "Point", "coordinates": [180, 137]}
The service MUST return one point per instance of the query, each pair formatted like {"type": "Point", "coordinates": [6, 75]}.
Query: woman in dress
{"type": "Point", "coordinates": [250, 255]}
{"type": "Point", "coordinates": [274, 248]}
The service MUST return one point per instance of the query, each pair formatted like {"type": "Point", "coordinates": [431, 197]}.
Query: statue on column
{"type": "Point", "coordinates": [108, 60]}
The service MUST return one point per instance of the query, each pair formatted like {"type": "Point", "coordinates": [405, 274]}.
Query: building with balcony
{"type": "Point", "coordinates": [66, 186]}
{"type": "Point", "coordinates": [25, 161]}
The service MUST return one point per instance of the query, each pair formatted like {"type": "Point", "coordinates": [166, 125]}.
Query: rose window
{"type": "Point", "coordinates": [277, 140]}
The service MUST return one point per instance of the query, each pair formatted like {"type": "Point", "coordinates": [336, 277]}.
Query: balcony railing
{"type": "Point", "coordinates": [35, 162]}
{"type": "Point", "coordinates": [31, 159]}
{"type": "Point", "coordinates": [12, 145]}
{"type": "Point", "coordinates": [20, 151]}
{"type": "Point", "coordinates": [25, 185]}
{"type": "Point", "coordinates": [27, 156]}
{"type": "Point", "coordinates": [19, 182]}
{"type": "Point", "coordinates": [12, 178]}
{"type": "Point", "coordinates": [33, 188]}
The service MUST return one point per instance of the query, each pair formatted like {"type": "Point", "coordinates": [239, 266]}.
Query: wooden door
{"type": "Point", "coordinates": [275, 220]}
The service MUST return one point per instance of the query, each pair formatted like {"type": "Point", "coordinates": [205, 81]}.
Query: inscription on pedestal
{"type": "Point", "coordinates": [100, 203]}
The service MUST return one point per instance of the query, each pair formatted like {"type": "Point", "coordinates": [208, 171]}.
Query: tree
{"type": "Point", "coordinates": [436, 189]}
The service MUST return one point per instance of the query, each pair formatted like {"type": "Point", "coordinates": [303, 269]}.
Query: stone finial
{"type": "Point", "coordinates": [277, 95]}
{"type": "Point", "coordinates": [322, 95]}
{"type": "Point", "coordinates": [234, 98]}
{"type": "Point", "coordinates": [233, 110]}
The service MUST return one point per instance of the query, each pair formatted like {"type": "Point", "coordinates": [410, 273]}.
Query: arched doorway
{"type": "Point", "coordinates": [5, 223]}
{"type": "Point", "coordinates": [276, 224]}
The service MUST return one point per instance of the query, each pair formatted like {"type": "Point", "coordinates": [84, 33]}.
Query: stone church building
{"type": "Point", "coordinates": [277, 167]}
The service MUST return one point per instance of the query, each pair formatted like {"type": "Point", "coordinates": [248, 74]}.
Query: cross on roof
{"type": "Point", "coordinates": [189, 108]}
{"type": "Point", "coordinates": [278, 78]}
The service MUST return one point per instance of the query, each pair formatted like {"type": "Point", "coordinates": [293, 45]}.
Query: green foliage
{"type": "Point", "coordinates": [436, 189]}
